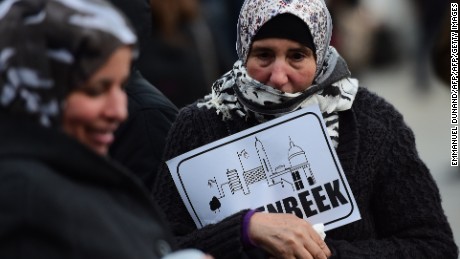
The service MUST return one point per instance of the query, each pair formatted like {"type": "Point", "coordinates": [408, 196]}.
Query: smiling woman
{"type": "Point", "coordinates": [63, 64]}
{"type": "Point", "coordinates": [93, 112]}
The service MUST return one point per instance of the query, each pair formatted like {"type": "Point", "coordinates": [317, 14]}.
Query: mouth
{"type": "Point", "coordinates": [101, 136]}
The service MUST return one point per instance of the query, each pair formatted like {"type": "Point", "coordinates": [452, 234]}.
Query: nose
{"type": "Point", "coordinates": [278, 75]}
{"type": "Point", "coordinates": [116, 109]}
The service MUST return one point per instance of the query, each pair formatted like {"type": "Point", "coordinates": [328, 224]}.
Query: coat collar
{"type": "Point", "coordinates": [23, 138]}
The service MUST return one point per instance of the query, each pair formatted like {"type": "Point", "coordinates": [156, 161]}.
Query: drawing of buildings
{"type": "Point", "coordinates": [299, 165]}
{"type": "Point", "coordinates": [295, 175]}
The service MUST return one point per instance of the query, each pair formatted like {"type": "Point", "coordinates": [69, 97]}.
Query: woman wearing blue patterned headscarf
{"type": "Point", "coordinates": [62, 68]}
{"type": "Point", "coordinates": [286, 63]}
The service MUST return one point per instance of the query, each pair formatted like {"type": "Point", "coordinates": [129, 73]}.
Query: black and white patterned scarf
{"type": "Point", "coordinates": [50, 47]}
{"type": "Point", "coordinates": [237, 94]}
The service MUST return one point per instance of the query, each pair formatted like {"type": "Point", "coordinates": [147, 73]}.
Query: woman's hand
{"type": "Point", "coordinates": [286, 236]}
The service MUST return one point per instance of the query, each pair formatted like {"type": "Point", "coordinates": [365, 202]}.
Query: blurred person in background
{"type": "Point", "coordinates": [363, 37]}
{"type": "Point", "coordinates": [222, 15]}
{"type": "Point", "coordinates": [429, 16]}
{"type": "Point", "coordinates": [440, 54]}
{"type": "Point", "coordinates": [63, 64]}
{"type": "Point", "coordinates": [354, 32]}
{"type": "Point", "coordinates": [140, 140]}
{"type": "Point", "coordinates": [286, 63]}
{"type": "Point", "coordinates": [183, 56]}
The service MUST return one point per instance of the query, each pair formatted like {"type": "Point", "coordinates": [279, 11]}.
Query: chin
{"type": "Point", "coordinates": [101, 150]}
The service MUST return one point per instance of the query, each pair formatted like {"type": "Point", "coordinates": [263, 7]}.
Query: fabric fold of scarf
{"type": "Point", "coordinates": [236, 93]}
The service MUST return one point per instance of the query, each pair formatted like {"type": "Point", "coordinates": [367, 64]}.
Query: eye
{"type": "Point", "coordinates": [96, 89]}
{"type": "Point", "coordinates": [123, 85]}
{"type": "Point", "coordinates": [298, 56]}
{"type": "Point", "coordinates": [263, 55]}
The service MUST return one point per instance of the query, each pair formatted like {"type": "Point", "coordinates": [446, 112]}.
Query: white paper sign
{"type": "Point", "coordinates": [286, 165]}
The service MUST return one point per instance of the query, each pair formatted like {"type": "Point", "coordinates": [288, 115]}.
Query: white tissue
{"type": "Point", "coordinates": [319, 228]}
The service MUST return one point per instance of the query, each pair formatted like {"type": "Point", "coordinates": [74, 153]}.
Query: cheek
{"type": "Point", "coordinates": [306, 77]}
{"type": "Point", "coordinates": [256, 72]}
{"type": "Point", "coordinates": [78, 113]}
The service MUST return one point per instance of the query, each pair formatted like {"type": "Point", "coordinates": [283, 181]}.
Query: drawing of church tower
{"type": "Point", "coordinates": [264, 161]}
{"type": "Point", "coordinates": [299, 164]}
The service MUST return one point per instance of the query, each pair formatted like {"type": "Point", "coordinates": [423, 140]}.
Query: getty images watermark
{"type": "Point", "coordinates": [454, 84]}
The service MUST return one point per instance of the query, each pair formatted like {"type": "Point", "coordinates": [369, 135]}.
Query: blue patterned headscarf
{"type": "Point", "coordinates": [255, 13]}
{"type": "Point", "coordinates": [50, 47]}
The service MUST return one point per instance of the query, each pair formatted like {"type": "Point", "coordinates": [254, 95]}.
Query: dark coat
{"type": "Point", "coordinates": [140, 140]}
{"type": "Point", "coordinates": [59, 199]}
{"type": "Point", "coordinates": [398, 199]}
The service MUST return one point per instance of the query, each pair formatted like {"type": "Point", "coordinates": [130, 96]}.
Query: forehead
{"type": "Point", "coordinates": [275, 43]}
{"type": "Point", "coordinates": [116, 66]}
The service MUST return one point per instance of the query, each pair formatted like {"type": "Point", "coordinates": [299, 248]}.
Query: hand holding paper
{"type": "Point", "coordinates": [287, 235]}
{"type": "Point", "coordinates": [272, 167]}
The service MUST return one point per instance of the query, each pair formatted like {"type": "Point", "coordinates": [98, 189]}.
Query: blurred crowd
{"type": "Point", "coordinates": [192, 44]}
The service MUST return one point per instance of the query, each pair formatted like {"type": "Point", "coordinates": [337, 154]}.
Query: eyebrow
{"type": "Point", "coordinates": [103, 81]}
{"type": "Point", "coordinates": [301, 48]}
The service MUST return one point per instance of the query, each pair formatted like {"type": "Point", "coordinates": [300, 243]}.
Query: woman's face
{"type": "Point", "coordinates": [93, 111]}
{"type": "Point", "coordinates": [282, 64]}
